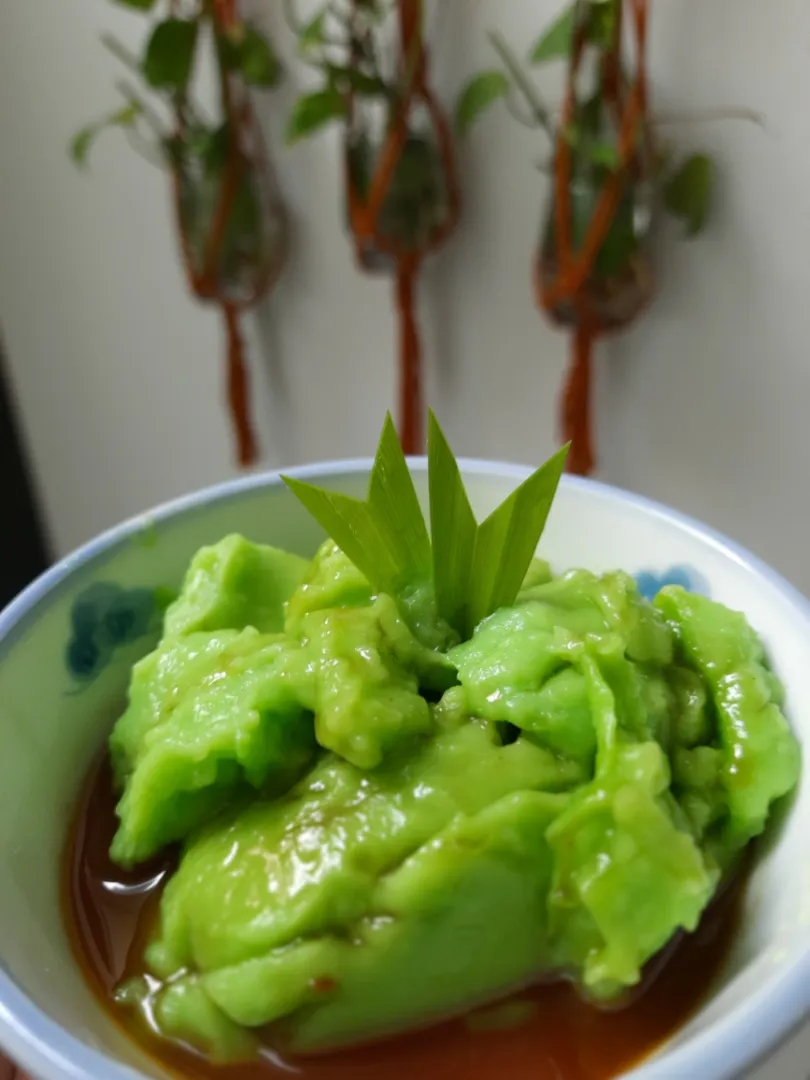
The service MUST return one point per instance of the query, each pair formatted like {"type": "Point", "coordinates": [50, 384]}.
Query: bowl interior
{"type": "Point", "coordinates": [64, 666]}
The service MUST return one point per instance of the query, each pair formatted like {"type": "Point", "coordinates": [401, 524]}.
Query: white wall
{"type": "Point", "coordinates": [704, 405]}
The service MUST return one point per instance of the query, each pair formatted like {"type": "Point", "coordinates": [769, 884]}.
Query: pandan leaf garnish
{"type": "Point", "coordinates": [474, 568]}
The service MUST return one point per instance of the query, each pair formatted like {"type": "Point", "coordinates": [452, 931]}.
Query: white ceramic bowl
{"type": "Point", "coordinates": [59, 686]}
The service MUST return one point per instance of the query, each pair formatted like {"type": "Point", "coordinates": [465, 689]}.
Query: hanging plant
{"type": "Point", "coordinates": [231, 222]}
{"type": "Point", "coordinates": [402, 198]}
{"type": "Point", "coordinates": [611, 175]}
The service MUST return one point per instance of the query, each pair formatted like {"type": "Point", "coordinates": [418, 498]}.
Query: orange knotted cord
{"type": "Point", "coordinates": [574, 268]}
{"type": "Point", "coordinates": [238, 387]}
{"type": "Point", "coordinates": [364, 212]}
{"type": "Point", "coordinates": [243, 136]}
{"type": "Point", "coordinates": [410, 406]}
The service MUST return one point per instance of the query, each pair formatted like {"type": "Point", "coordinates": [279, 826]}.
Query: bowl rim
{"type": "Point", "coordinates": [731, 1045]}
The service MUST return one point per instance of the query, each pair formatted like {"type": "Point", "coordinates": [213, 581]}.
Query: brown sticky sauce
{"type": "Point", "coordinates": [547, 1033]}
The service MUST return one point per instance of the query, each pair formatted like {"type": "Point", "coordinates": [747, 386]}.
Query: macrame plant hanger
{"type": "Point", "coordinates": [566, 294]}
{"type": "Point", "coordinates": [365, 210]}
{"type": "Point", "coordinates": [227, 269]}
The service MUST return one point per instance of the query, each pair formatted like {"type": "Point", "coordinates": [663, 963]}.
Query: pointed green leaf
{"type": "Point", "coordinates": [312, 34]}
{"type": "Point", "coordinates": [507, 540]}
{"type": "Point", "coordinates": [688, 192]}
{"type": "Point", "coordinates": [478, 95]}
{"type": "Point", "coordinates": [386, 536]}
{"type": "Point", "coordinates": [82, 141]}
{"type": "Point", "coordinates": [349, 522]}
{"type": "Point", "coordinates": [139, 5]}
{"type": "Point", "coordinates": [396, 511]}
{"type": "Point", "coordinates": [475, 569]}
{"type": "Point", "coordinates": [126, 115]}
{"type": "Point", "coordinates": [258, 62]}
{"type": "Point", "coordinates": [556, 40]}
{"type": "Point", "coordinates": [453, 528]}
{"type": "Point", "coordinates": [313, 111]}
{"type": "Point", "coordinates": [169, 56]}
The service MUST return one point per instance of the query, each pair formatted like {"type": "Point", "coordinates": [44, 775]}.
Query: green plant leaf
{"type": "Point", "coordinates": [453, 528]}
{"type": "Point", "coordinates": [593, 150]}
{"type": "Point", "coordinates": [385, 536]}
{"type": "Point", "coordinates": [600, 25]}
{"type": "Point", "coordinates": [342, 78]}
{"type": "Point", "coordinates": [366, 85]}
{"type": "Point", "coordinates": [228, 52]}
{"type": "Point", "coordinates": [395, 507]}
{"type": "Point", "coordinates": [605, 154]}
{"type": "Point", "coordinates": [125, 116]}
{"type": "Point", "coordinates": [478, 95]}
{"type": "Point", "coordinates": [688, 192]}
{"type": "Point", "coordinates": [257, 60]}
{"type": "Point", "coordinates": [169, 56]}
{"type": "Point", "coordinates": [475, 569]}
{"type": "Point", "coordinates": [139, 5]}
{"type": "Point", "coordinates": [312, 34]}
{"type": "Point", "coordinates": [313, 111]}
{"type": "Point", "coordinates": [349, 523]}
{"type": "Point", "coordinates": [82, 141]}
{"type": "Point", "coordinates": [506, 542]}
{"type": "Point", "coordinates": [557, 39]}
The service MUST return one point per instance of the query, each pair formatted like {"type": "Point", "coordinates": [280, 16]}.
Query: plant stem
{"type": "Point", "coordinates": [523, 83]}
{"type": "Point", "coordinates": [122, 53]}
{"type": "Point", "coordinates": [513, 109]}
{"type": "Point", "coordinates": [150, 116]}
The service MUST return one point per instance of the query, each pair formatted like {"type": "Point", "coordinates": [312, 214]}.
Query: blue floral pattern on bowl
{"type": "Point", "coordinates": [105, 617]}
{"type": "Point", "coordinates": [650, 583]}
